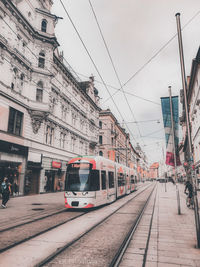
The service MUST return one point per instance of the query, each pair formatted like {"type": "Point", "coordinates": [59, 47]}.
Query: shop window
{"type": "Point", "coordinates": [44, 25]}
{"type": "Point", "coordinates": [15, 121]}
{"type": "Point", "coordinates": [39, 92]}
{"type": "Point", "coordinates": [103, 180]}
{"type": "Point", "coordinates": [100, 153]}
{"type": "Point", "coordinates": [41, 61]}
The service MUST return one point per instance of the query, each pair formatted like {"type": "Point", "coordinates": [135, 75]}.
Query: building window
{"type": "Point", "coordinates": [112, 141]}
{"type": "Point", "coordinates": [15, 121]}
{"type": "Point", "coordinates": [39, 92]}
{"type": "Point", "coordinates": [100, 153]}
{"type": "Point", "coordinates": [62, 140]}
{"type": "Point", "coordinates": [44, 25]}
{"type": "Point", "coordinates": [100, 124]}
{"type": "Point", "coordinates": [49, 135]}
{"type": "Point", "coordinates": [41, 61]}
{"type": "Point", "coordinates": [22, 76]}
{"type": "Point", "coordinates": [100, 139]}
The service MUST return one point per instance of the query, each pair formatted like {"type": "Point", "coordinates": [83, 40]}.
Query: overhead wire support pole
{"type": "Point", "coordinates": [174, 149]}
{"type": "Point", "coordinates": [184, 84]}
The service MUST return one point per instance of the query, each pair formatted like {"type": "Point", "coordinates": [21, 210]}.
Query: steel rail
{"type": "Point", "coordinates": [61, 249]}
{"type": "Point", "coordinates": [122, 249]}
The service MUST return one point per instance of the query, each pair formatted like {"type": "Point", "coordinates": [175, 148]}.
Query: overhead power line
{"type": "Point", "coordinates": [112, 63]}
{"type": "Point", "coordinates": [93, 62]}
{"type": "Point", "coordinates": [155, 55]}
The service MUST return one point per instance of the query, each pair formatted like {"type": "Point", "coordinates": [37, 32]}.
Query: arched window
{"type": "Point", "coordinates": [39, 92]}
{"type": "Point", "coordinates": [44, 25]}
{"type": "Point", "coordinates": [41, 61]}
{"type": "Point", "coordinates": [100, 153]}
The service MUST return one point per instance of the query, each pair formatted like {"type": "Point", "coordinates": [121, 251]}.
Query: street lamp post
{"type": "Point", "coordinates": [196, 208]}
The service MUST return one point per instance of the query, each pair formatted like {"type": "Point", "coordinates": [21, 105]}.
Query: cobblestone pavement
{"type": "Point", "coordinates": [173, 237]}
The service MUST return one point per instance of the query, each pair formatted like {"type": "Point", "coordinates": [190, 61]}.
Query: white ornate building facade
{"type": "Point", "coordinates": [47, 115]}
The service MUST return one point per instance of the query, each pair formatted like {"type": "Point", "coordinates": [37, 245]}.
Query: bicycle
{"type": "Point", "coordinates": [190, 201]}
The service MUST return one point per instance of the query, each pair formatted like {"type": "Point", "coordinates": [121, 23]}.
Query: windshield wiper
{"type": "Point", "coordinates": [74, 193]}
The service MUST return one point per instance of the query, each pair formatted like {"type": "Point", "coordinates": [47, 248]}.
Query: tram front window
{"type": "Point", "coordinates": [80, 177]}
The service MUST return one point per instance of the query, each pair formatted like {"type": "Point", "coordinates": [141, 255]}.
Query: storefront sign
{"type": "Point", "coordinates": [34, 157]}
{"type": "Point", "coordinates": [56, 164]}
{"type": "Point", "coordinates": [13, 148]}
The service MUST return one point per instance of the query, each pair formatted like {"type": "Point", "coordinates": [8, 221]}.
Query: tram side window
{"type": "Point", "coordinates": [121, 179]}
{"type": "Point", "coordinates": [111, 179]}
{"type": "Point", "coordinates": [94, 180]}
{"type": "Point", "coordinates": [103, 180]}
{"type": "Point", "coordinates": [132, 179]}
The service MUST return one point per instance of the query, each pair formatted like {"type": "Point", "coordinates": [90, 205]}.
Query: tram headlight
{"type": "Point", "coordinates": [84, 193]}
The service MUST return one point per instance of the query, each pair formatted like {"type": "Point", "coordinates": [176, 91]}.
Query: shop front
{"type": "Point", "coordinates": [32, 177]}
{"type": "Point", "coordinates": [12, 165]}
{"type": "Point", "coordinates": [54, 176]}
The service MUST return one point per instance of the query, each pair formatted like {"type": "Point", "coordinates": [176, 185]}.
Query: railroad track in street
{"type": "Point", "coordinates": [14, 236]}
{"type": "Point", "coordinates": [20, 233]}
{"type": "Point", "coordinates": [74, 252]}
{"type": "Point", "coordinates": [122, 250]}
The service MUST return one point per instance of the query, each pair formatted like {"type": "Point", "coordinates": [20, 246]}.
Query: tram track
{"type": "Point", "coordinates": [120, 253]}
{"type": "Point", "coordinates": [48, 261]}
{"type": "Point", "coordinates": [47, 229]}
{"type": "Point", "coordinates": [25, 231]}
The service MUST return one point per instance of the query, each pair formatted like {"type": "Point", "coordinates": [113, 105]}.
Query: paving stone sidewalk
{"type": "Point", "coordinates": [173, 237]}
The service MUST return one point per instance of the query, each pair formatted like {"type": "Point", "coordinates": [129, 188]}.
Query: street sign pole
{"type": "Point", "coordinates": [174, 149]}
{"type": "Point", "coordinates": [192, 173]}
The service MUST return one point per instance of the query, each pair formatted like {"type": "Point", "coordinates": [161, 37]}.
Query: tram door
{"type": "Point", "coordinates": [103, 186]}
{"type": "Point", "coordinates": [111, 187]}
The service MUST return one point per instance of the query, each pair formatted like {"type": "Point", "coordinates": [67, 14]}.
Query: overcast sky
{"type": "Point", "coordinates": [134, 31]}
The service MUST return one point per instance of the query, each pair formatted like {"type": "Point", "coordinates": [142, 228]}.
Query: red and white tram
{"type": "Point", "coordinates": [92, 181]}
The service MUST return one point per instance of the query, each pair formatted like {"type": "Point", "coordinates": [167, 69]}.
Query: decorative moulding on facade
{"type": "Point", "coordinates": [37, 118]}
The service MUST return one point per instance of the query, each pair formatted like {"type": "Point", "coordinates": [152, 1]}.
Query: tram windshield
{"type": "Point", "coordinates": [81, 177]}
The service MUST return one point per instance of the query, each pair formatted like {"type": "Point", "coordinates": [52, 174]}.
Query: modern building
{"type": "Point", "coordinates": [47, 114]}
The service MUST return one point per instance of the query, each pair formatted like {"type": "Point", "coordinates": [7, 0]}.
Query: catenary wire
{"type": "Point", "coordinates": [93, 63]}
{"type": "Point", "coordinates": [112, 63]}
{"type": "Point", "coordinates": [155, 55]}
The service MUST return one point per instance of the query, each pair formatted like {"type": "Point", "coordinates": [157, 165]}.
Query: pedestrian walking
{"type": "Point", "coordinates": [5, 190]}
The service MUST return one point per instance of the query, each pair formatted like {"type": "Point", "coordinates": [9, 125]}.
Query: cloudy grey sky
{"type": "Point", "coordinates": [140, 37]}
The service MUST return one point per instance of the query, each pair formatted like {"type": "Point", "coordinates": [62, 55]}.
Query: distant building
{"type": "Point", "coordinates": [114, 142]}
{"type": "Point", "coordinates": [154, 170]}
{"type": "Point", "coordinates": [142, 164]}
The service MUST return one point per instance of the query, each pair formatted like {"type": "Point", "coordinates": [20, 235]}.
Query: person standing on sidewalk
{"type": "Point", "coordinates": [189, 187]}
{"type": "Point", "coordinates": [5, 190]}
